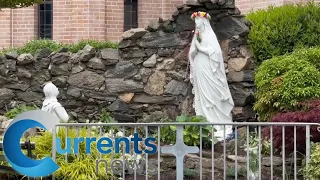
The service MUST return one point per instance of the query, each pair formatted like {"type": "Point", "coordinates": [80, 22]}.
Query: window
{"type": "Point", "coordinates": [45, 19]}
{"type": "Point", "coordinates": [130, 14]}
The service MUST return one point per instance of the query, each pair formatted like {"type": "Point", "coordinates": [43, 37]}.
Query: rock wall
{"type": "Point", "coordinates": [144, 79]}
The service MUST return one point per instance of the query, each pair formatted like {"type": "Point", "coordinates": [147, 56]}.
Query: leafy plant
{"type": "Point", "coordinates": [231, 172]}
{"type": "Point", "coordinates": [18, 3]}
{"type": "Point", "coordinates": [106, 118]}
{"type": "Point", "coordinates": [81, 166]}
{"type": "Point", "coordinates": [36, 45]}
{"type": "Point", "coordinates": [310, 116]}
{"type": "Point", "coordinates": [191, 133]}
{"type": "Point", "coordinates": [189, 172]}
{"type": "Point", "coordinates": [284, 81]}
{"type": "Point", "coordinates": [279, 30]}
{"type": "Point", "coordinates": [312, 171]}
{"type": "Point", "coordinates": [20, 109]}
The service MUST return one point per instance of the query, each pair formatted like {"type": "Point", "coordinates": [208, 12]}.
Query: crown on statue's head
{"type": "Point", "coordinates": [200, 14]}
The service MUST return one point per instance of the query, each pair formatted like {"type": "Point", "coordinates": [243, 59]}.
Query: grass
{"type": "Point", "coordinates": [33, 46]}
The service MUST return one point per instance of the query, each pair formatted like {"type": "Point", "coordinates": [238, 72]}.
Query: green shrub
{"type": "Point", "coordinates": [20, 109]}
{"type": "Point", "coordinates": [284, 81]}
{"type": "Point", "coordinates": [191, 133]}
{"type": "Point", "coordinates": [312, 171]}
{"type": "Point", "coordinates": [279, 30]}
{"type": "Point", "coordinates": [80, 167]}
{"type": "Point", "coordinates": [35, 45]}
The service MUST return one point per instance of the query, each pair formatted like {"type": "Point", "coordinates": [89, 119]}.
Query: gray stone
{"type": "Point", "coordinates": [229, 26]}
{"type": "Point", "coordinates": [134, 34]}
{"type": "Point", "coordinates": [12, 55]}
{"type": "Point", "coordinates": [137, 61]}
{"type": "Point", "coordinates": [74, 92]}
{"type": "Point", "coordinates": [41, 77]}
{"type": "Point", "coordinates": [98, 96]}
{"type": "Point", "coordinates": [165, 52]}
{"type": "Point", "coordinates": [86, 53]}
{"type": "Point", "coordinates": [142, 98]}
{"type": "Point", "coordinates": [11, 65]}
{"type": "Point", "coordinates": [243, 113]}
{"type": "Point", "coordinates": [167, 64]}
{"type": "Point", "coordinates": [169, 26]}
{"type": "Point", "coordinates": [22, 87]}
{"type": "Point", "coordinates": [29, 96]}
{"type": "Point", "coordinates": [6, 94]}
{"type": "Point", "coordinates": [180, 76]}
{"type": "Point", "coordinates": [239, 64]}
{"type": "Point", "coordinates": [240, 76]}
{"type": "Point", "coordinates": [4, 71]}
{"type": "Point", "coordinates": [111, 56]}
{"type": "Point", "coordinates": [24, 59]}
{"type": "Point", "coordinates": [96, 63]}
{"type": "Point", "coordinates": [145, 74]}
{"type": "Point", "coordinates": [151, 62]}
{"type": "Point", "coordinates": [184, 23]}
{"type": "Point", "coordinates": [161, 40]}
{"type": "Point", "coordinates": [23, 73]}
{"type": "Point", "coordinates": [78, 68]}
{"type": "Point", "coordinates": [60, 70]}
{"type": "Point", "coordinates": [86, 80]}
{"type": "Point", "coordinates": [118, 106]}
{"type": "Point", "coordinates": [121, 117]}
{"type": "Point", "coordinates": [42, 63]}
{"type": "Point", "coordinates": [153, 26]}
{"type": "Point", "coordinates": [240, 96]}
{"type": "Point", "coordinates": [193, 3]}
{"type": "Point", "coordinates": [42, 53]}
{"type": "Point", "coordinates": [204, 1]}
{"type": "Point", "coordinates": [60, 81]}
{"type": "Point", "coordinates": [154, 117]}
{"type": "Point", "coordinates": [124, 69]}
{"type": "Point", "coordinates": [60, 58]}
{"type": "Point", "coordinates": [176, 88]}
{"type": "Point", "coordinates": [126, 43]}
{"type": "Point", "coordinates": [156, 83]}
{"type": "Point", "coordinates": [133, 53]}
{"type": "Point", "coordinates": [123, 86]}
{"type": "Point", "coordinates": [71, 104]}
{"type": "Point", "coordinates": [211, 6]}
{"type": "Point", "coordinates": [150, 52]}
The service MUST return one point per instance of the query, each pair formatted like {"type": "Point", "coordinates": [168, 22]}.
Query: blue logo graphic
{"type": "Point", "coordinates": [11, 144]}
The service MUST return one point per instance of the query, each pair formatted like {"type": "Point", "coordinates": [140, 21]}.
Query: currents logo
{"type": "Point", "coordinates": [11, 144]}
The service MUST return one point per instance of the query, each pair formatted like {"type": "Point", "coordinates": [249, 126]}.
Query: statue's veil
{"type": "Point", "coordinates": [214, 50]}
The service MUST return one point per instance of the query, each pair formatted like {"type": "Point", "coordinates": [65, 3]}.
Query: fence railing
{"type": "Point", "coordinates": [181, 150]}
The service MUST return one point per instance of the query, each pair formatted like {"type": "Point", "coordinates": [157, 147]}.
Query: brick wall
{"type": "Point", "coordinates": [95, 19]}
{"type": "Point", "coordinates": [21, 24]}
{"type": "Point", "coordinates": [114, 19]}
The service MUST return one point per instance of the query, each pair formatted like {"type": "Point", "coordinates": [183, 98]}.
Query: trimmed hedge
{"type": "Point", "coordinates": [34, 45]}
{"type": "Point", "coordinates": [279, 30]}
{"type": "Point", "coordinates": [282, 82]}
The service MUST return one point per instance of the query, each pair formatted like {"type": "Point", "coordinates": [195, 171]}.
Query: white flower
{"type": "Point", "coordinates": [119, 134]}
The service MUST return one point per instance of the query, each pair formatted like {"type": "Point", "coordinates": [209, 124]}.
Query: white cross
{"type": "Point", "coordinates": [179, 150]}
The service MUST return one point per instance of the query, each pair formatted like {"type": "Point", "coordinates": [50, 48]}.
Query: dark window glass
{"type": "Point", "coordinates": [45, 19]}
{"type": "Point", "coordinates": [130, 14]}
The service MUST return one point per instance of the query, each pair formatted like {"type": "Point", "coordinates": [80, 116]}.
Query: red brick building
{"type": "Point", "coordinates": [68, 21]}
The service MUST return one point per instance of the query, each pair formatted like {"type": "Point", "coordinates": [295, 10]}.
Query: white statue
{"type": "Point", "coordinates": [207, 74]}
{"type": "Point", "coordinates": [51, 104]}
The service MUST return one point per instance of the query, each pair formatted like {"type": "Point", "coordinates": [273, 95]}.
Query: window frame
{"type": "Point", "coordinates": [42, 34]}
{"type": "Point", "coordinates": [129, 23]}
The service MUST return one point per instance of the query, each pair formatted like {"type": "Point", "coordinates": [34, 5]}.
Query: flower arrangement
{"type": "Point", "coordinates": [200, 14]}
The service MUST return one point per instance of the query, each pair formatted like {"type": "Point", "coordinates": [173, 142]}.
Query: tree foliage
{"type": "Point", "coordinates": [18, 3]}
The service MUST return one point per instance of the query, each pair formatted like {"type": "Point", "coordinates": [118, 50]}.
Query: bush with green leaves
{"type": "Point", "coordinates": [191, 133]}
{"type": "Point", "coordinates": [282, 82]}
{"type": "Point", "coordinates": [81, 166]}
{"type": "Point", "coordinates": [20, 109]}
{"type": "Point", "coordinates": [279, 30]}
{"type": "Point", "coordinates": [312, 171]}
{"type": "Point", "coordinates": [36, 45]}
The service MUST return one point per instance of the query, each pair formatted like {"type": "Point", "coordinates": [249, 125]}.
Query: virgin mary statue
{"type": "Point", "coordinates": [207, 74]}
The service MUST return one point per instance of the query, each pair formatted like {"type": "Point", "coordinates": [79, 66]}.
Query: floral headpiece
{"type": "Point", "coordinates": [200, 14]}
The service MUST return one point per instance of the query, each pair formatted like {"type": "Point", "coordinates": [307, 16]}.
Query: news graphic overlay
{"type": "Point", "coordinates": [11, 144]}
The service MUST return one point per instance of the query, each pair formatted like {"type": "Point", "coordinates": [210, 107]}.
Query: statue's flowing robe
{"type": "Point", "coordinates": [210, 87]}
